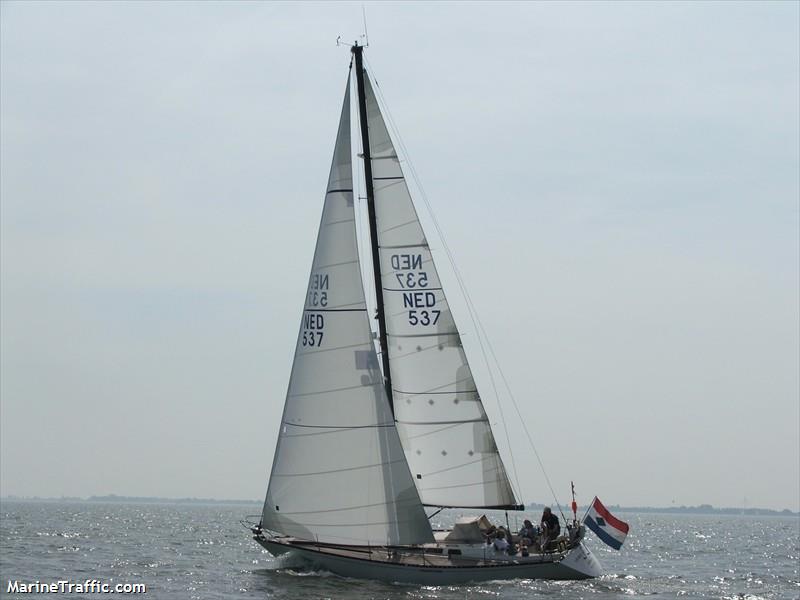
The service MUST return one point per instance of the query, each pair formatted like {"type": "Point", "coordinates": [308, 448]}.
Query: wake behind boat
{"type": "Point", "coordinates": [370, 436]}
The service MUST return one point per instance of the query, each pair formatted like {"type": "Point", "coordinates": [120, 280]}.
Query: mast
{"type": "Point", "coordinates": [373, 226]}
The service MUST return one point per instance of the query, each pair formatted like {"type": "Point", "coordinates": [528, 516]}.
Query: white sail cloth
{"type": "Point", "coordinates": [442, 423]}
{"type": "Point", "coordinates": [339, 474]}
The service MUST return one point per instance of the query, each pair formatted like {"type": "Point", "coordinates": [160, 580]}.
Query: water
{"type": "Point", "coordinates": [201, 551]}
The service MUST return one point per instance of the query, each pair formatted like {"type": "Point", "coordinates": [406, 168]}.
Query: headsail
{"type": "Point", "coordinates": [442, 423]}
{"type": "Point", "coordinates": [339, 474]}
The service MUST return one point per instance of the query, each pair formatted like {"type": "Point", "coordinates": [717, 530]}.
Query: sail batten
{"type": "Point", "coordinates": [443, 427]}
{"type": "Point", "coordinates": [339, 474]}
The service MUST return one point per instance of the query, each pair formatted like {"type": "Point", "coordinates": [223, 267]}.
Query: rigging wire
{"type": "Point", "coordinates": [477, 323]}
{"type": "Point", "coordinates": [519, 415]}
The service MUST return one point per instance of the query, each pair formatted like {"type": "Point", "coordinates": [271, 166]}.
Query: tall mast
{"type": "Point", "coordinates": [373, 227]}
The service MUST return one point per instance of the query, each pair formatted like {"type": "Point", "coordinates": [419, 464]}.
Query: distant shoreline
{"type": "Point", "coordinates": [703, 509]}
{"type": "Point", "coordinates": [112, 498]}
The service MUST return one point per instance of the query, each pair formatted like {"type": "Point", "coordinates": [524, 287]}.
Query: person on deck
{"type": "Point", "coordinates": [528, 533]}
{"type": "Point", "coordinates": [490, 534]}
{"type": "Point", "coordinates": [500, 543]}
{"type": "Point", "coordinates": [550, 527]}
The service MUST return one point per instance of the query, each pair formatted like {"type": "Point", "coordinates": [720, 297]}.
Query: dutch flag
{"type": "Point", "coordinates": [605, 525]}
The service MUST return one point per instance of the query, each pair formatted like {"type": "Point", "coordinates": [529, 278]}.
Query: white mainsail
{"type": "Point", "coordinates": [443, 427]}
{"type": "Point", "coordinates": [339, 474]}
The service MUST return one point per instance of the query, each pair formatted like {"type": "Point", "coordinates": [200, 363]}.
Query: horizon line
{"type": "Point", "coordinates": [118, 497]}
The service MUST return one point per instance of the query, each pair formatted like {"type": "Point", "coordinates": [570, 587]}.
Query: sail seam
{"type": "Point", "coordinates": [320, 351]}
{"type": "Point", "coordinates": [340, 509]}
{"type": "Point", "coordinates": [339, 222]}
{"type": "Point", "coordinates": [484, 420]}
{"type": "Point", "coordinates": [316, 433]}
{"type": "Point", "coordinates": [453, 468]}
{"type": "Point", "coordinates": [356, 304]}
{"type": "Point", "coordinates": [439, 387]}
{"type": "Point", "coordinates": [427, 289]}
{"type": "Point", "coordinates": [428, 433]}
{"type": "Point", "coordinates": [491, 506]}
{"type": "Point", "coordinates": [425, 245]}
{"type": "Point", "coordinates": [338, 264]}
{"type": "Point", "coordinates": [353, 525]}
{"type": "Point", "coordinates": [339, 427]}
{"type": "Point", "coordinates": [372, 466]}
{"type": "Point", "coordinates": [423, 335]}
{"type": "Point", "coordinates": [445, 487]}
{"type": "Point", "coordinates": [432, 392]}
{"type": "Point", "coordinates": [341, 190]}
{"type": "Point", "coordinates": [453, 392]}
{"type": "Point", "coordinates": [398, 226]}
{"type": "Point", "coordinates": [336, 310]}
{"type": "Point", "coordinates": [342, 389]}
{"type": "Point", "coordinates": [417, 350]}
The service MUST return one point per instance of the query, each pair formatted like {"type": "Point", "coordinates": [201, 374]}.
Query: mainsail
{"type": "Point", "coordinates": [339, 474]}
{"type": "Point", "coordinates": [443, 427]}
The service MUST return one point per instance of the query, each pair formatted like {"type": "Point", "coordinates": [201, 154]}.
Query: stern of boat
{"type": "Point", "coordinates": [581, 559]}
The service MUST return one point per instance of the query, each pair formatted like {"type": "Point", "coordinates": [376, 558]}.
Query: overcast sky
{"type": "Point", "coordinates": [619, 184]}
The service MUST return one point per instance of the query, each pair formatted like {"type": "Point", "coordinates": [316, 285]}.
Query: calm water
{"type": "Point", "coordinates": [201, 551]}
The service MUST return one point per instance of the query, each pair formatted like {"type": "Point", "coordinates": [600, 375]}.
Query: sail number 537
{"type": "Point", "coordinates": [412, 279]}
{"type": "Point", "coordinates": [420, 302]}
{"type": "Point", "coordinates": [313, 326]}
{"type": "Point", "coordinates": [423, 317]}
{"type": "Point", "coordinates": [422, 307]}
{"type": "Point", "coordinates": [411, 274]}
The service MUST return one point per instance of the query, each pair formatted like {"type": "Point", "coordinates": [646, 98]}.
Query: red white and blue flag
{"type": "Point", "coordinates": [605, 525]}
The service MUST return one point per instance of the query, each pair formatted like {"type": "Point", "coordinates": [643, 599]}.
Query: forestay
{"type": "Point", "coordinates": [440, 417]}
{"type": "Point", "coordinates": [339, 473]}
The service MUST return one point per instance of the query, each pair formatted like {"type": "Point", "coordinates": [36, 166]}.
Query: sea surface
{"type": "Point", "coordinates": [202, 551]}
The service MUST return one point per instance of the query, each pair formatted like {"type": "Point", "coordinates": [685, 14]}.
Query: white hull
{"type": "Point", "coordinates": [576, 563]}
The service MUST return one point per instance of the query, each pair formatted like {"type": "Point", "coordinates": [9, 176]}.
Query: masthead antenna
{"type": "Point", "coordinates": [365, 37]}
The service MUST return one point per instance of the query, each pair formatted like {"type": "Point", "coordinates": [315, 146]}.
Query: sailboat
{"type": "Point", "coordinates": [371, 437]}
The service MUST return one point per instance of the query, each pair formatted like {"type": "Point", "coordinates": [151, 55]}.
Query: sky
{"type": "Point", "coordinates": [619, 184]}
